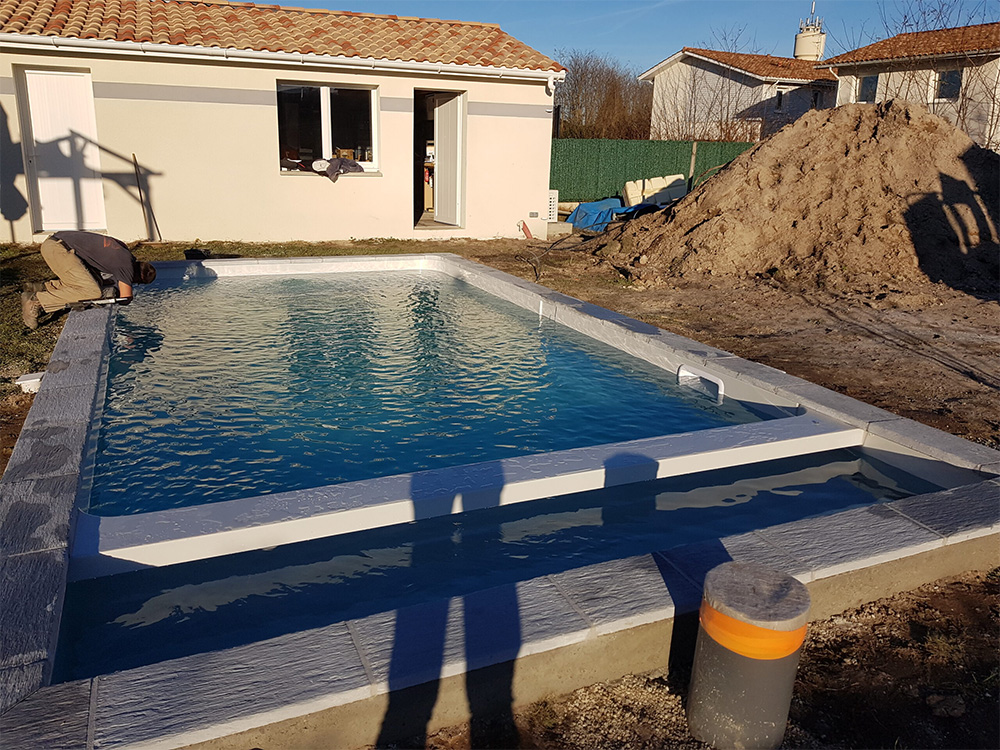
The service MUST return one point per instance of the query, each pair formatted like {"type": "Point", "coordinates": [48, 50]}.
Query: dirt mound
{"type": "Point", "coordinates": [858, 196]}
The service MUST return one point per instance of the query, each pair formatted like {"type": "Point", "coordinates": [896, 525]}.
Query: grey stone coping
{"type": "Point", "coordinates": [38, 491]}
{"type": "Point", "coordinates": [57, 718]}
{"type": "Point", "coordinates": [211, 695]}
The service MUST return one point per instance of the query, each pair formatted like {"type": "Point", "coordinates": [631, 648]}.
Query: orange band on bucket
{"type": "Point", "coordinates": [749, 640]}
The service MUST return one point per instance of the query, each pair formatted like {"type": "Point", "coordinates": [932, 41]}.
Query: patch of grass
{"type": "Point", "coordinates": [22, 350]}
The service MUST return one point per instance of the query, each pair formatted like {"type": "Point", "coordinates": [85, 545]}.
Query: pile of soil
{"type": "Point", "coordinates": [842, 199]}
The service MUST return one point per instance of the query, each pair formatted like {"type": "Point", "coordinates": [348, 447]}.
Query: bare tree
{"type": "Point", "coordinates": [963, 90]}
{"type": "Point", "coordinates": [601, 98]}
{"type": "Point", "coordinates": [704, 102]}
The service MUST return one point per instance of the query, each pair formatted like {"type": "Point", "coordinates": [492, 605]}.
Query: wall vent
{"type": "Point", "coordinates": [553, 205]}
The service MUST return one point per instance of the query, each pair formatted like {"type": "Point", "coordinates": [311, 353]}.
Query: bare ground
{"type": "Point", "coordinates": [917, 670]}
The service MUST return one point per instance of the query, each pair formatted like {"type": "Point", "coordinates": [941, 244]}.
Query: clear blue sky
{"type": "Point", "coordinates": [641, 33]}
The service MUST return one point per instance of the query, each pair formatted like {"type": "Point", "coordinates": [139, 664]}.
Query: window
{"type": "Point", "coordinates": [323, 122]}
{"type": "Point", "coordinates": [779, 98]}
{"type": "Point", "coordinates": [817, 100]}
{"type": "Point", "coordinates": [867, 88]}
{"type": "Point", "coordinates": [949, 83]}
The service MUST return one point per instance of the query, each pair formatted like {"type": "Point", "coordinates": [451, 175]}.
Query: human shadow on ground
{"type": "Point", "coordinates": [684, 592]}
{"type": "Point", "coordinates": [956, 233]}
{"type": "Point", "coordinates": [423, 643]}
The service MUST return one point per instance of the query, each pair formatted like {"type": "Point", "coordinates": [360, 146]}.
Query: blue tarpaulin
{"type": "Point", "coordinates": [595, 217]}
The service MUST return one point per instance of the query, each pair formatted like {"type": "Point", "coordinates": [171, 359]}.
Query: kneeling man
{"type": "Point", "coordinates": [88, 266]}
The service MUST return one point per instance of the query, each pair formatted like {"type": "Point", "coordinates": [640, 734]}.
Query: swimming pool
{"type": "Point", "coordinates": [239, 387]}
{"type": "Point", "coordinates": [277, 403]}
{"type": "Point", "coordinates": [191, 592]}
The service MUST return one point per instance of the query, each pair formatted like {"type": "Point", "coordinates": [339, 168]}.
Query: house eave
{"type": "Point", "coordinates": [912, 58]}
{"type": "Point", "coordinates": [36, 43]}
{"type": "Point", "coordinates": [650, 74]}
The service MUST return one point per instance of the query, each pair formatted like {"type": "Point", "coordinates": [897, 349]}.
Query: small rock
{"type": "Point", "coordinates": [947, 705]}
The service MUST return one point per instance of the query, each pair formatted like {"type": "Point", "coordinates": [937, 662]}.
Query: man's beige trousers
{"type": "Point", "coordinates": [75, 282]}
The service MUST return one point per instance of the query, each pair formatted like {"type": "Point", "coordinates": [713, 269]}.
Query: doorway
{"type": "Point", "coordinates": [61, 153]}
{"type": "Point", "coordinates": [438, 158]}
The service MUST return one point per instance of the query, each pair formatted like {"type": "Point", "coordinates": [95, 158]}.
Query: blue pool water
{"type": "Point", "coordinates": [240, 387]}
{"type": "Point", "coordinates": [152, 615]}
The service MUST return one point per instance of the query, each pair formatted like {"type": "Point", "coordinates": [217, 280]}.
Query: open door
{"type": "Point", "coordinates": [63, 158]}
{"type": "Point", "coordinates": [449, 147]}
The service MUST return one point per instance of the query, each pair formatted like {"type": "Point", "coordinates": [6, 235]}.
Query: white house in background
{"type": "Point", "coordinates": [954, 72]}
{"type": "Point", "coordinates": [189, 119]}
{"type": "Point", "coordinates": [704, 94]}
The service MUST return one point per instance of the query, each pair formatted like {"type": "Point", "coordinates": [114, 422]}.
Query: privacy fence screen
{"type": "Point", "coordinates": [594, 168]}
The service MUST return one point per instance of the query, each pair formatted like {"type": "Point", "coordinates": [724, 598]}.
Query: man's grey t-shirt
{"type": "Point", "coordinates": [101, 253]}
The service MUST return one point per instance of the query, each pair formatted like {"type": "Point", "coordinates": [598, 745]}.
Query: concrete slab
{"type": "Point", "coordinates": [696, 560]}
{"type": "Point", "coordinates": [187, 700]}
{"type": "Point", "coordinates": [16, 684]}
{"type": "Point", "coordinates": [956, 514]}
{"type": "Point", "coordinates": [31, 588]}
{"type": "Point", "coordinates": [35, 514]}
{"type": "Point", "coordinates": [30, 723]}
{"type": "Point", "coordinates": [422, 643]}
{"type": "Point", "coordinates": [934, 443]}
{"type": "Point", "coordinates": [46, 452]}
{"type": "Point", "coordinates": [853, 539]}
{"type": "Point", "coordinates": [621, 594]}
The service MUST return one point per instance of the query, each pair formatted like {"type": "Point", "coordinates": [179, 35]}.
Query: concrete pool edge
{"type": "Point", "coordinates": [38, 495]}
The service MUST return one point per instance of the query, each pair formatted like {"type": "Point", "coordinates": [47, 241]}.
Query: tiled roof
{"type": "Point", "coordinates": [272, 28]}
{"type": "Point", "coordinates": [944, 42]}
{"type": "Point", "coordinates": [766, 66]}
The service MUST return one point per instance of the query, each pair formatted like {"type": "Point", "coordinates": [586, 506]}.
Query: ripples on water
{"type": "Point", "coordinates": [240, 387]}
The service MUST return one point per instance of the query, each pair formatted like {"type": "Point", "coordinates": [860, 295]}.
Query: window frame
{"type": "Point", "coordinates": [861, 85]}
{"type": "Point", "coordinates": [326, 129]}
{"type": "Point", "coordinates": [938, 79]}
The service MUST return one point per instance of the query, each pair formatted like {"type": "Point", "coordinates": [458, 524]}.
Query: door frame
{"type": "Point", "coordinates": [91, 152]}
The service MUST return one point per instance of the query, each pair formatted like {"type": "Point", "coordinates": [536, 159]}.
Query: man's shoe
{"type": "Point", "coordinates": [31, 308]}
{"type": "Point", "coordinates": [33, 286]}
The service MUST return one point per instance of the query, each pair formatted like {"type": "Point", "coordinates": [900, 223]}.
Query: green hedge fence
{"type": "Point", "coordinates": [594, 168]}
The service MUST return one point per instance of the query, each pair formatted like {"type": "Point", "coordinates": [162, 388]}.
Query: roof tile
{"type": "Point", "coordinates": [766, 66]}
{"type": "Point", "coordinates": [943, 42]}
{"type": "Point", "coordinates": [218, 23]}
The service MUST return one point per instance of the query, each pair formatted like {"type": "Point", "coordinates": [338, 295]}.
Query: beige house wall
{"type": "Point", "coordinates": [207, 134]}
{"type": "Point", "coordinates": [693, 99]}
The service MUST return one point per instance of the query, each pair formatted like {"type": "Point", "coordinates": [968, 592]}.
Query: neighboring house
{"type": "Point", "coordinates": [191, 120]}
{"type": "Point", "coordinates": [702, 94]}
{"type": "Point", "coordinates": [954, 72]}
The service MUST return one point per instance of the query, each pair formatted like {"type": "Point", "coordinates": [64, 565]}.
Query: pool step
{"type": "Point", "coordinates": [105, 545]}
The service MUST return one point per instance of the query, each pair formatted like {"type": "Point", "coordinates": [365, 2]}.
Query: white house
{"type": "Point", "coordinates": [708, 94]}
{"type": "Point", "coordinates": [954, 72]}
{"type": "Point", "coordinates": [183, 120]}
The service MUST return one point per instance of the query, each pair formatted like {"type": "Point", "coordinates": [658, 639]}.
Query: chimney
{"type": "Point", "coordinates": [810, 41]}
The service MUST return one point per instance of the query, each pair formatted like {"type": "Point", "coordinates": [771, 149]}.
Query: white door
{"type": "Point", "coordinates": [449, 166]}
{"type": "Point", "coordinates": [64, 165]}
